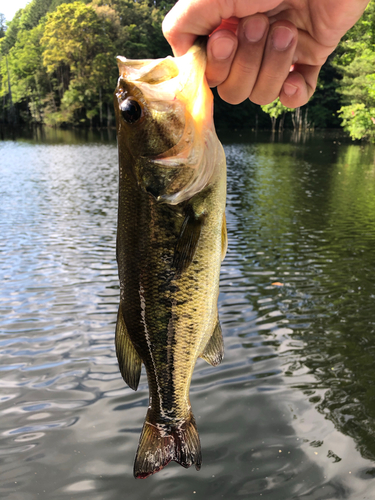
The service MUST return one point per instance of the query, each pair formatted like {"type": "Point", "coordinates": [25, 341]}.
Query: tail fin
{"type": "Point", "coordinates": [161, 443]}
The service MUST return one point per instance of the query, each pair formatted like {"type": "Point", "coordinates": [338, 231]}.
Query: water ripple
{"type": "Point", "coordinates": [289, 414]}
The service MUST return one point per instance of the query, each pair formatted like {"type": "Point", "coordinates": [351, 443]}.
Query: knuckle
{"type": "Point", "coordinates": [228, 8]}
{"type": "Point", "coordinates": [274, 78]}
{"type": "Point", "coordinates": [245, 67]}
{"type": "Point", "coordinates": [167, 27]}
{"type": "Point", "coordinates": [312, 58]}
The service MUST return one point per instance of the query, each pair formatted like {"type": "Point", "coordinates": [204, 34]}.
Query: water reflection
{"type": "Point", "coordinates": [308, 222]}
{"type": "Point", "coordinates": [49, 135]}
{"type": "Point", "coordinates": [290, 412]}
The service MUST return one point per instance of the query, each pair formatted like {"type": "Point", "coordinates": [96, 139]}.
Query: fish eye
{"type": "Point", "coordinates": [131, 110]}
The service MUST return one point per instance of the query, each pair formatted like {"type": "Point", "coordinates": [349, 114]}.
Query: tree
{"type": "Point", "coordinates": [274, 110]}
{"type": "Point", "coordinates": [3, 26]}
{"type": "Point", "coordinates": [142, 36]}
{"type": "Point", "coordinates": [324, 105]}
{"type": "Point", "coordinates": [79, 55]}
{"type": "Point", "coordinates": [358, 90]}
{"type": "Point", "coordinates": [28, 78]}
{"type": "Point", "coordinates": [61, 56]}
{"type": "Point", "coordinates": [10, 36]}
{"type": "Point", "coordinates": [356, 63]}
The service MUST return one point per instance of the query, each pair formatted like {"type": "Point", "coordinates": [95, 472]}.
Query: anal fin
{"type": "Point", "coordinates": [128, 359]}
{"type": "Point", "coordinates": [214, 351]}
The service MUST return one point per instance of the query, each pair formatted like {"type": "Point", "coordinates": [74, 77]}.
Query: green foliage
{"type": "Point", "coordinates": [325, 103]}
{"type": "Point", "coordinates": [142, 35]}
{"type": "Point", "coordinates": [62, 55]}
{"type": "Point", "coordinates": [356, 63]}
{"type": "Point", "coordinates": [274, 110]}
{"type": "Point", "coordinates": [79, 52]}
{"type": "Point", "coordinates": [359, 121]}
{"type": "Point", "coordinates": [57, 66]}
{"type": "Point", "coordinates": [7, 42]}
{"type": "Point", "coordinates": [3, 26]}
{"type": "Point", "coordinates": [32, 14]}
{"type": "Point", "coordinates": [73, 36]}
{"type": "Point", "coordinates": [27, 77]}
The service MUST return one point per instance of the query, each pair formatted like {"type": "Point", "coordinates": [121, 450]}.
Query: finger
{"type": "Point", "coordinates": [329, 20]}
{"type": "Point", "coordinates": [299, 85]}
{"type": "Point", "coordinates": [230, 24]}
{"type": "Point", "coordinates": [309, 51]}
{"type": "Point", "coordinates": [189, 19]}
{"type": "Point", "coordinates": [277, 60]}
{"type": "Point", "coordinates": [221, 48]}
{"type": "Point", "coordinates": [252, 36]}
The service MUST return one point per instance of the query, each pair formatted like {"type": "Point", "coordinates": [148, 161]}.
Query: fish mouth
{"type": "Point", "coordinates": [149, 71]}
{"type": "Point", "coordinates": [169, 78]}
{"type": "Point", "coordinates": [157, 71]}
{"type": "Point", "coordinates": [191, 160]}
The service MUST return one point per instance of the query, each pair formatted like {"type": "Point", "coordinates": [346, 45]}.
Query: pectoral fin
{"type": "Point", "coordinates": [224, 238]}
{"type": "Point", "coordinates": [187, 242]}
{"type": "Point", "coordinates": [214, 350]}
{"type": "Point", "coordinates": [128, 359]}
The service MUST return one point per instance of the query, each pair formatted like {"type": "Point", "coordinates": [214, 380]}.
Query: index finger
{"type": "Point", "coordinates": [191, 18]}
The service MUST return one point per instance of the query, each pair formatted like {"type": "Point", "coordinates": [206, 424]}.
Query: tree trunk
{"type": "Point", "coordinates": [281, 122]}
{"type": "Point", "coordinates": [297, 119]}
{"type": "Point", "coordinates": [100, 108]}
{"type": "Point", "coordinates": [273, 120]}
{"type": "Point", "coordinates": [109, 116]}
{"type": "Point", "coordinates": [52, 95]}
{"type": "Point", "coordinates": [12, 115]}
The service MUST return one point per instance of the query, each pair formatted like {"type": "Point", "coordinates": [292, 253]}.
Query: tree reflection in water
{"type": "Point", "coordinates": [308, 222]}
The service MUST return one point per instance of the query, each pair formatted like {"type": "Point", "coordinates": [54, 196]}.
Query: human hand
{"type": "Point", "coordinates": [255, 43]}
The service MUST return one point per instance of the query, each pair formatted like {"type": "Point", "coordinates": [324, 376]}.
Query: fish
{"type": "Point", "coordinates": [171, 240]}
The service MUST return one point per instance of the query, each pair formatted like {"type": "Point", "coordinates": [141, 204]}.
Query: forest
{"type": "Point", "coordinates": [58, 68]}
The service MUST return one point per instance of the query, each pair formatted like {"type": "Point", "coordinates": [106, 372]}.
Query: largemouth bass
{"type": "Point", "coordinates": [171, 239]}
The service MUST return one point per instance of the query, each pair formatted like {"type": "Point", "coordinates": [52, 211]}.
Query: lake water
{"type": "Point", "coordinates": [289, 414]}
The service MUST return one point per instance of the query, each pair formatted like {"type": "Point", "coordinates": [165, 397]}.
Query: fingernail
{"type": "Point", "coordinates": [282, 37]}
{"type": "Point", "coordinates": [289, 89]}
{"type": "Point", "coordinates": [222, 48]}
{"type": "Point", "coordinates": [254, 28]}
